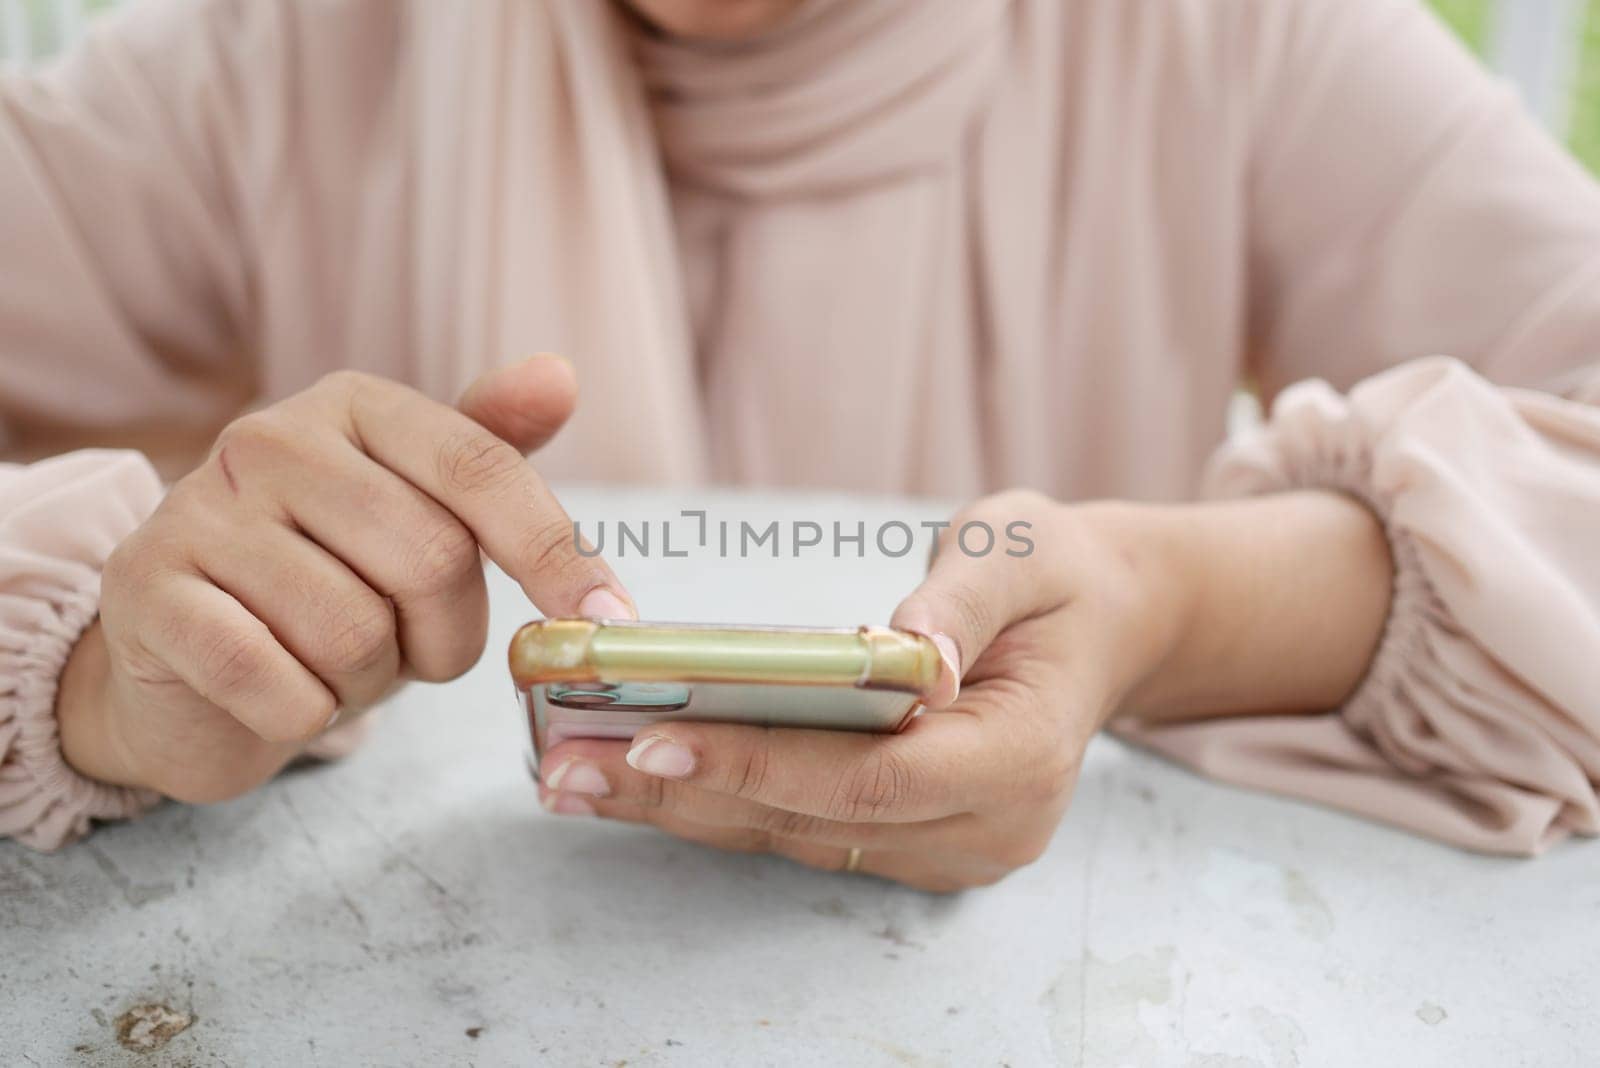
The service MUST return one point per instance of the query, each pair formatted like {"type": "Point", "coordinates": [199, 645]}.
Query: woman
{"type": "Point", "coordinates": [929, 246]}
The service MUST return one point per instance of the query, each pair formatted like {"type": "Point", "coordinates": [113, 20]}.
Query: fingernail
{"type": "Point", "coordinates": [601, 603]}
{"type": "Point", "coordinates": [579, 777]}
{"type": "Point", "coordinates": [662, 757]}
{"type": "Point", "coordinates": [333, 718]}
{"type": "Point", "coordinates": [950, 653]}
{"type": "Point", "coordinates": [949, 684]}
{"type": "Point", "coordinates": [568, 805]}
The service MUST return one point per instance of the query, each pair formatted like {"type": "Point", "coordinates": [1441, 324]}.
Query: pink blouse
{"type": "Point", "coordinates": [925, 246]}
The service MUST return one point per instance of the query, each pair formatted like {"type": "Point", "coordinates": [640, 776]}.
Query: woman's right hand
{"type": "Point", "coordinates": [328, 547]}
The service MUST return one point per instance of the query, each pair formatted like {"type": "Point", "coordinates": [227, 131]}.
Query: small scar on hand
{"type": "Point", "coordinates": [227, 471]}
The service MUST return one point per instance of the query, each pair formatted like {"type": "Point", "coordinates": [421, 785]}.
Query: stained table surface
{"type": "Point", "coordinates": [414, 905]}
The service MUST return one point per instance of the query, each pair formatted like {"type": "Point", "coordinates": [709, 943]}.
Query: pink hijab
{"type": "Point", "coordinates": [940, 354]}
{"type": "Point", "coordinates": [859, 127]}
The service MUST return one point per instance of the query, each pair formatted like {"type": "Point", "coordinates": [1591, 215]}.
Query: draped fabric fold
{"type": "Point", "coordinates": [853, 125]}
{"type": "Point", "coordinates": [846, 95]}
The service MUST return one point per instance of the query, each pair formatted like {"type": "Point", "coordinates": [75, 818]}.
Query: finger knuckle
{"type": "Point", "coordinates": [361, 636]}
{"type": "Point", "coordinates": [132, 562]}
{"type": "Point", "coordinates": [254, 435]}
{"type": "Point", "coordinates": [476, 462]}
{"type": "Point", "coordinates": [753, 766]}
{"type": "Point", "coordinates": [441, 558]}
{"type": "Point", "coordinates": [968, 606]}
{"type": "Point", "coordinates": [793, 826]}
{"type": "Point", "coordinates": [236, 665]}
{"type": "Point", "coordinates": [342, 382]}
{"type": "Point", "coordinates": [549, 547]}
{"type": "Point", "coordinates": [876, 786]}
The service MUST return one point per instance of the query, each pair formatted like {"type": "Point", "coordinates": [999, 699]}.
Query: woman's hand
{"type": "Point", "coordinates": [1140, 610]}
{"type": "Point", "coordinates": [971, 789]}
{"type": "Point", "coordinates": [328, 547]}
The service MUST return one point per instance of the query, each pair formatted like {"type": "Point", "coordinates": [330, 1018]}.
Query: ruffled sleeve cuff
{"type": "Point", "coordinates": [59, 521]}
{"type": "Point", "coordinates": [1478, 721]}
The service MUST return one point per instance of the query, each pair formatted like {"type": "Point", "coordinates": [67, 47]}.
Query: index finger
{"type": "Point", "coordinates": [942, 763]}
{"type": "Point", "coordinates": [490, 486]}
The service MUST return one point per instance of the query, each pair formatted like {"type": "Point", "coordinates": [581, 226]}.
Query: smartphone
{"type": "Point", "coordinates": [578, 678]}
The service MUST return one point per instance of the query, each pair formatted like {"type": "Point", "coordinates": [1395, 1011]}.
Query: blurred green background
{"type": "Point", "coordinates": [1470, 18]}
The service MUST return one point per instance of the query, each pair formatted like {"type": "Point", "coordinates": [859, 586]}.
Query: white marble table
{"type": "Point", "coordinates": [413, 905]}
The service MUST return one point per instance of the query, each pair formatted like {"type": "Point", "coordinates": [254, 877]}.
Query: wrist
{"type": "Point", "coordinates": [1279, 603]}
{"type": "Point", "coordinates": [1150, 575]}
{"type": "Point", "coordinates": [81, 703]}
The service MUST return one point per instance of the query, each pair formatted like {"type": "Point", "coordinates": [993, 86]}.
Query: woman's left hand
{"type": "Point", "coordinates": [974, 787]}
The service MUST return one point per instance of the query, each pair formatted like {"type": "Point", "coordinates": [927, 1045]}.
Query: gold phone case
{"type": "Point", "coordinates": [581, 679]}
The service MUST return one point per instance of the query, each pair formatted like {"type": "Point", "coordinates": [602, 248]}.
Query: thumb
{"type": "Point", "coordinates": [523, 403]}
{"type": "Point", "coordinates": [963, 604]}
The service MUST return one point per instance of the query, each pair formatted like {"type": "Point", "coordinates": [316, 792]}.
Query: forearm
{"type": "Point", "coordinates": [1278, 602]}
